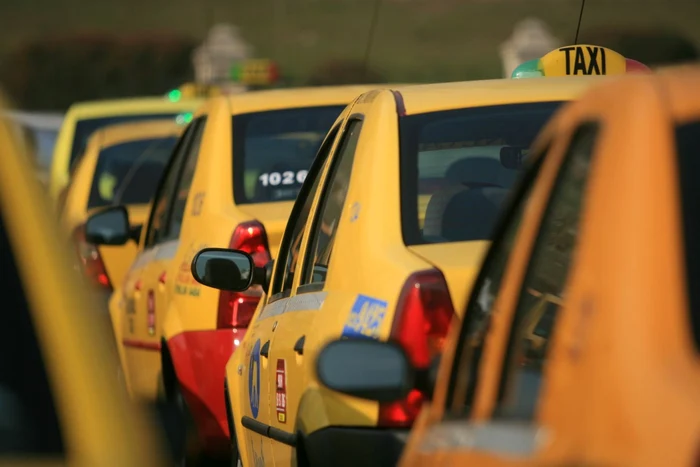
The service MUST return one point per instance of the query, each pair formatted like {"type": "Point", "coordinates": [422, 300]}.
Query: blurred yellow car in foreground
{"type": "Point", "coordinates": [122, 164]}
{"type": "Point", "coordinates": [83, 118]}
{"type": "Point", "coordinates": [60, 400]}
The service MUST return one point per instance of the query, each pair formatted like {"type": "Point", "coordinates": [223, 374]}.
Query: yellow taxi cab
{"type": "Point", "coordinates": [83, 118]}
{"type": "Point", "coordinates": [122, 164]}
{"type": "Point", "coordinates": [605, 222]}
{"type": "Point", "coordinates": [60, 400]}
{"type": "Point", "coordinates": [366, 254]}
{"type": "Point", "coordinates": [231, 183]}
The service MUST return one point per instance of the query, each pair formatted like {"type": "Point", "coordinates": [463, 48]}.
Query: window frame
{"type": "Point", "coordinates": [316, 171]}
{"type": "Point", "coordinates": [595, 128]}
{"type": "Point", "coordinates": [172, 168]}
{"type": "Point", "coordinates": [518, 200]}
{"type": "Point", "coordinates": [310, 241]}
{"type": "Point", "coordinates": [198, 132]}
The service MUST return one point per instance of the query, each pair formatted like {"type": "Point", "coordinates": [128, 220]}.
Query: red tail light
{"type": "Point", "coordinates": [236, 309]}
{"type": "Point", "coordinates": [91, 260]}
{"type": "Point", "coordinates": [423, 316]}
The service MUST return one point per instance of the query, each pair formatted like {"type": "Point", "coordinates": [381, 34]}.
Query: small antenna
{"type": "Point", "coordinates": [580, 16]}
{"type": "Point", "coordinates": [370, 39]}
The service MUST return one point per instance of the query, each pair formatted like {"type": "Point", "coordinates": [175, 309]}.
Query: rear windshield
{"type": "Point", "coordinates": [272, 151]}
{"type": "Point", "coordinates": [128, 173]}
{"type": "Point", "coordinates": [453, 183]}
{"type": "Point", "coordinates": [85, 128]}
{"type": "Point", "coordinates": [688, 148]}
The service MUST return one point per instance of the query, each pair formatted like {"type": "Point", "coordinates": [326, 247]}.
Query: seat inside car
{"type": "Point", "coordinates": [473, 189]}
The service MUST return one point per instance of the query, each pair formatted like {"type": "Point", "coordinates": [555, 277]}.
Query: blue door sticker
{"type": "Point", "coordinates": [366, 317]}
{"type": "Point", "coordinates": [254, 379]}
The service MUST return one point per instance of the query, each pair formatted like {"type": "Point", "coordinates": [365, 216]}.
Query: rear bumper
{"type": "Point", "coordinates": [345, 446]}
{"type": "Point", "coordinates": [200, 358]}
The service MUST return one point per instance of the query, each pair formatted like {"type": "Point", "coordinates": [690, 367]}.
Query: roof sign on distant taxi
{"type": "Point", "coordinates": [175, 95]}
{"type": "Point", "coordinates": [184, 118]}
{"type": "Point", "coordinates": [256, 72]}
{"type": "Point", "coordinates": [581, 60]}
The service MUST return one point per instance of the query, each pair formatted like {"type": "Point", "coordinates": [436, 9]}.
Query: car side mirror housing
{"type": "Point", "coordinates": [366, 368]}
{"type": "Point", "coordinates": [108, 227]}
{"type": "Point", "coordinates": [135, 233]}
{"type": "Point", "coordinates": [224, 269]}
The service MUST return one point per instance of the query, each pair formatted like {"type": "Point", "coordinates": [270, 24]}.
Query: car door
{"type": "Point", "coordinates": [495, 388]}
{"type": "Point", "coordinates": [263, 365]}
{"type": "Point", "coordinates": [289, 362]}
{"type": "Point", "coordinates": [140, 347]}
{"type": "Point", "coordinates": [158, 273]}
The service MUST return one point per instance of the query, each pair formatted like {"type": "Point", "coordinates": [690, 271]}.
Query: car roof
{"type": "Point", "coordinates": [418, 99]}
{"type": "Point", "coordinates": [134, 105]}
{"type": "Point", "coordinates": [275, 99]}
{"type": "Point", "coordinates": [132, 131]}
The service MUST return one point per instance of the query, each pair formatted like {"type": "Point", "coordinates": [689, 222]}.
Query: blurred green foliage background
{"type": "Point", "coordinates": [415, 40]}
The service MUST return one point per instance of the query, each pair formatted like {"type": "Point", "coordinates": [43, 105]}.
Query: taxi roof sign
{"type": "Point", "coordinates": [579, 60]}
{"type": "Point", "coordinates": [260, 72]}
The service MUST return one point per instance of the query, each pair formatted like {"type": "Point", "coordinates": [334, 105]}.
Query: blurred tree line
{"type": "Point", "coordinates": [53, 72]}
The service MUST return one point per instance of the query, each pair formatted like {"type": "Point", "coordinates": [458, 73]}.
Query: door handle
{"type": "Point", "coordinates": [265, 350]}
{"type": "Point", "coordinates": [299, 346]}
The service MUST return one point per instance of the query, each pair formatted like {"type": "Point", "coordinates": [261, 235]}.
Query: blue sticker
{"type": "Point", "coordinates": [354, 211]}
{"type": "Point", "coordinates": [254, 379]}
{"type": "Point", "coordinates": [366, 317]}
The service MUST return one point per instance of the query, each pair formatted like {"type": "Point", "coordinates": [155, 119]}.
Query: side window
{"type": "Point", "coordinates": [282, 284]}
{"type": "Point", "coordinates": [164, 194]}
{"type": "Point", "coordinates": [331, 207]}
{"type": "Point", "coordinates": [480, 306]}
{"type": "Point", "coordinates": [542, 294]}
{"type": "Point", "coordinates": [177, 212]}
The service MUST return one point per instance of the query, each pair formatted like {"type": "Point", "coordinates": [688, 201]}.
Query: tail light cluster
{"type": "Point", "coordinates": [236, 309]}
{"type": "Point", "coordinates": [423, 315]}
{"type": "Point", "coordinates": [91, 260]}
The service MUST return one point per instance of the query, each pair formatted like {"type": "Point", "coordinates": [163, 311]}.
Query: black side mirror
{"type": "Point", "coordinates": [512, 157]}
{"type": "Point", "coordinates": [367, 369]}
{"type": "Point", "coordinates": [108, 227]}
{"type": "Point", "coordinates": [135, 233]}
{"type": "Point", "coordinates": [224, 269]}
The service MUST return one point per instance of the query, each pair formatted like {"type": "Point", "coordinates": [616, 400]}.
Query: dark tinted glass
{"type": "Point", "coordinates": [453, 183]}
{"type": "Point", "coordinates": [272, 151]}
{"type": "Point", "coordinates": [128, 173]}
{"type": "Point", "coordinates": [85, 128]}
{"type": "Point", "coordinates": [28, 419]}
{"type": "Point", "coordinates": [688, 148]}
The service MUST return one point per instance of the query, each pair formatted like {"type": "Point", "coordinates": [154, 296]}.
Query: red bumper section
{"type": "Point", "coordinates": [200, 358]}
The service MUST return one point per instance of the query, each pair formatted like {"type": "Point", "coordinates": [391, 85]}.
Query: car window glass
{"type": "Point", "coordinates": [273, 150]}
{"type": "Point", "coordinates": [166, 189]}
{"type": "Point", "coordinates": [292, 242]}
{"type": "Point", "coordinates": [28, 419]}
{"type": "Point", "coordinates": [688, 148]}
{"type": "Point", "coordinates": [84, 128]}
{"type": "Point", "coordinates": [456, 169]}
{"type": "Point", "coordinates": [331, 207]}
{"type": "Point", "coordinates": [127, 173]}
{"type": "Point", "coordinates": [177, 213]}
{"type": "Point", "coordinates": [545, 279]}
{"type": "Point", "coordinates": [480, 307]}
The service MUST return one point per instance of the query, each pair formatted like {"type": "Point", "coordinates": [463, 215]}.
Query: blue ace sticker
{"type": "Point", "coordinates": [254, 379]}
{"type": "Point", "coordinates": [366, 317]}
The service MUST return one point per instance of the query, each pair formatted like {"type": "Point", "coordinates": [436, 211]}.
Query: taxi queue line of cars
{"type": "Point", "coordinates": [408, 182]}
